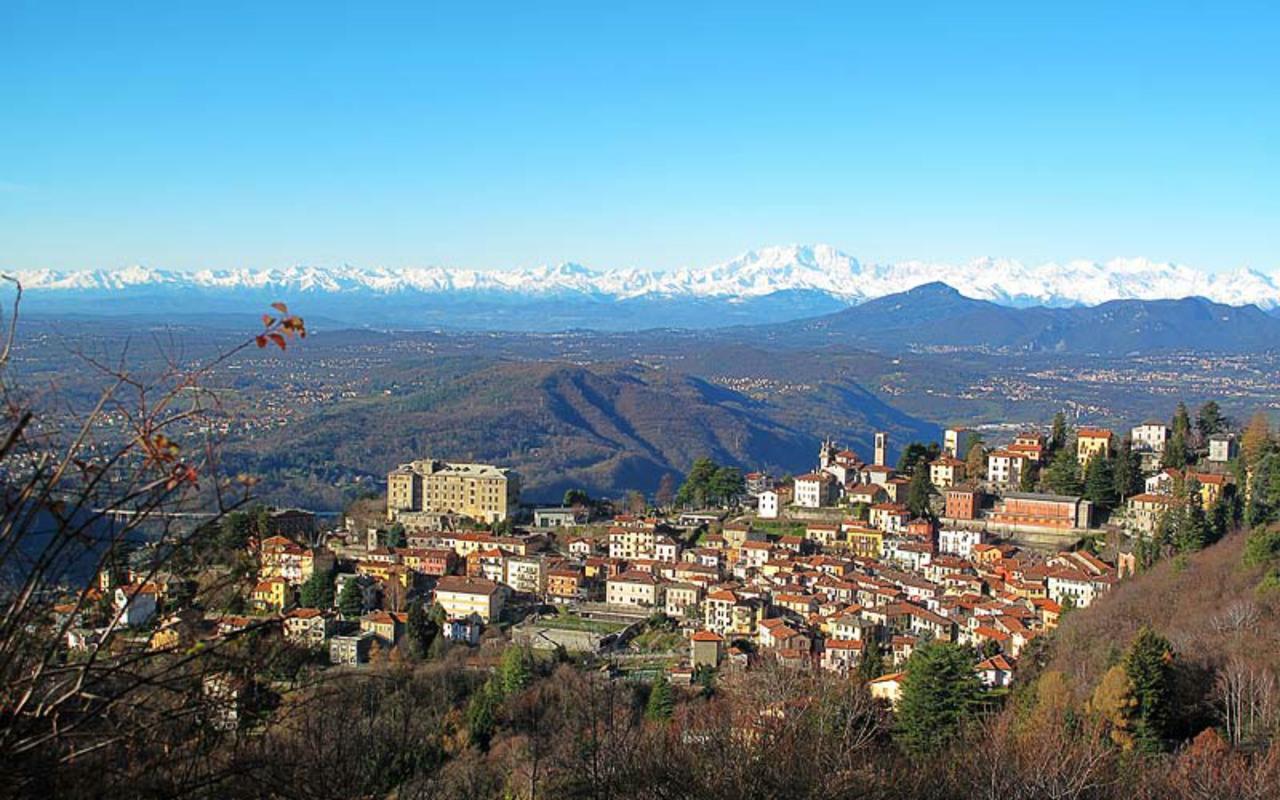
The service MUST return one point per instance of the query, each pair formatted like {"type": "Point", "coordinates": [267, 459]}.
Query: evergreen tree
{"type": "Point", "coordinates": [317, 590]}
{"type": "Point", "coordinates": [871, 664]}
{"type": "Point", "coordinates": [1219, 519]}
{"type": "Point", "coordinates": [351, 600]}
{"type": "Point", "coordinates": [1063, 475]}
{"type": "Point", "coordinates": [1100, 482]}
{"type": "Point", "coordinates": [918, 493]}
{"type": "Point", "coordinates": [515, 670]}
{"type": "Point", "coordinates": [394, 536]}
{"type": "Point", "coordinates": [1149, 668]}
{"type": "Point", "coordinates": [1195, 535]}
{"type": "Point", "coordinates": [916, 455]}
{"type": "Point", "coordinates": [726, 486]}
{"type": "Point", "coordinates": [939, 696]}
{"type": "Point", "coordinates": [420, 630]}
{"type": "Point", "coordinates": [575, 497]}
{"type": "Point", "coordinates": [1128, 471]}
{"type": "Point", "coordinates": [1058, 434]}
{"type": "Point", "coordinates": [661, 702]}
{"type": "Point", "coordinates": [695, 491]}
{"type": "Point", "coordinates": [1209, 420]}
{"type": "Point", "coordinates": [1029, 476]}
{"type": "Point", "coordinates": [482, 713]}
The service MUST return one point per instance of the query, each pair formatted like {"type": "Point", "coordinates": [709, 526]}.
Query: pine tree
{"type": "Point", "coordinates": [1058, 434]}
{"type": "Point", "coordinates": [1209, 420]}
{"type": "Point", "coordinates": [1063, 475]}
{"type": "Point", "coordinates": [1149, 668]}
{"type": "Point", "coordinates": [1028, 477]}
{"type": "Point", "coordinates": [351, 600]}
{"type": "Point", "coordinates": [661, 702]}
{"type": "Point", "coordinates": [939, 696]}
{"type": "Point", "coordinates": [1100, 482]}
{"type": "Point", "coordinates": [1195, 533]}
{"type": "Point", "coordinates": [1128, 471]}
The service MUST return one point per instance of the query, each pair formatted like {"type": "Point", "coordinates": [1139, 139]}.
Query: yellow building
{"type": "Point", "coordinates": [480, 491]}
{"type": "Point", "coordinates": [1091, 442]}
{"type": "Point", "coordinates": [865, 542]}
{"type": "Point", "coordinates": [272, 594]}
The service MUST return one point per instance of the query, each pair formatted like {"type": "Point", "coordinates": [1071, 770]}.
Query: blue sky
{"type": "Point", "coordinates": [635, 134]}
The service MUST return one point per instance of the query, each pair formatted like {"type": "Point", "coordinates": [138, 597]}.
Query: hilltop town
{"type": "Point", "coordinates": [847, 569]}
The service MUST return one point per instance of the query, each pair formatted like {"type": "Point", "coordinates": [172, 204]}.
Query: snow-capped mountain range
{"type": "Point", "coordinates": [818, 268]}
{"type": "Point", "coordinates": [774, 284]}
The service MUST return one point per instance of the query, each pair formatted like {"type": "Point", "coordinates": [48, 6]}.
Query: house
{"type": "Point", "coordinates": [666, 550]}
{"type": "Point", "coordinates": [566, 585]}
{"type": "Point", "coordinates": [525, 575]}
{"type": "Point", "coordinates": [581, 547]}
{"type": "Point", "coordinates": [1031, 444]}
{"type": "Point", "coordinates": [272, 594]}
{"type": "Point", "coordinates": [757, 482]}
{"type": "Point", "coordinates": [1005, 467]}
{"type": "Point", "coordinates": [308, 627]}
{"type": "Point", "coordinates": [946, 471]}
{"type": "Point", "coordinates": [958, 541]}
{"type": "Point", "coordinates": [841, 655]}
{"type": "Point", "coordinates": [1146, 509]}
{"type": "Point", "coordinates": [887, 688]}
{"type": "Point", "coordinates": [706, 649]}
{"type": "Point", "coordinates": [1149, 437]}
{"type": "Point", "coordinates": [730, 615]}
{"type": "Point", "coordinates": [681, 599]}
{"type": "Point", "coordinates": [463, 631]}
{"type": "Point", "coordinates": [890, 517]}
{"type": "Point", "coordinates": [865, 542]}
{"type": "Point", "coordinates": [1092, 442]}
{"type": "Point", "coordinates": [995, 672]}
{"type": "Point", "coordinates": [559, 517]}
{"type": "Point", "coordinates": [815, 490]}
{"type": "Point", "coordinates": [135, 604]}
{"type": "Point", "coordinates": [1222, 448]}
{"type": "Point", "coordinates": [224, 696]}
{"type": "Point", "coordinates": [294, 523]}
{"type": "Point", "coordinates": [1072, 586]}
{"type": "Point", "coordinates": [387, 626]}
{"type": "Point", "coordinates": [866, 495]}
{"type": "Point", "coordinates": [820, 533]}
{"type": "Point", "coordinates": [633, 588]}
{"type": "Point", "coordinates": [350, 650]}
{"type": "Point", "coordinates": [962, 502]}
{"type": "Point", "coordinates": [767, 504]}
{"type": "Point", "coordinates": [462, 596]}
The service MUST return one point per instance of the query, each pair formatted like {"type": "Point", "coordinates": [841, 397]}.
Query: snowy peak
{"type": "Point", "coordinates": [819, 269]}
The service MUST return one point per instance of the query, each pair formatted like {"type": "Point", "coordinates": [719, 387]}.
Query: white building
{"type": "Point", "coordinates": [957, 542]}
{"type": "Point", "coordinates": [768, 508]}
{"type": "Point", "coordinates": [1149, 437]}
{"type": "Point", "coordinates": [814, 490]}
{"type": "Point", "coordinates": [1004, 467]}
{"type": "Point", "coordinates": [136, 604]}
{"type": "Point", "coordinates": [1222, 448]}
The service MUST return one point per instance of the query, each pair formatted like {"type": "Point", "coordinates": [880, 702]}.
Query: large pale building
{"type": "Point", "coordinates": [480, 491]}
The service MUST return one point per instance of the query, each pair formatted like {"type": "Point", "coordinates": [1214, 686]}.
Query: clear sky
{"type": "Point", "coordinates": [643, 134]}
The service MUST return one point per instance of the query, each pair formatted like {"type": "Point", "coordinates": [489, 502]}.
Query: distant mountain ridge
{"type": "Point", "coordinates": [937, 316]}
{"type": "Point", "coordinates": [772, 284]}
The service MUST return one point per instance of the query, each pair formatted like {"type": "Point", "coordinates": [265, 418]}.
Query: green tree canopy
{"type": "Point", "coordinates": [1209, 420]}
{"type": "Point", "coordinates": [1100, 482]}
{"type": "Point", "coordinates": [1063, 475]}
{"type": "Point", "coordinates": [918, 493]}
{"type": "Point", "coordinates": [1149, 667]}
{"type": "Point", "coordinates": [661, 703]}
{"type": "Point", "coordinates": [317, 590]}
{"type": "Point", "coordinates": [917, 454]}
{"type": "Point", "coordinates": [1058, 434]}
{"type": "Point", "coordinates": [351, 599]}
{"type": "Point", "coordinates": [939, 696]}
